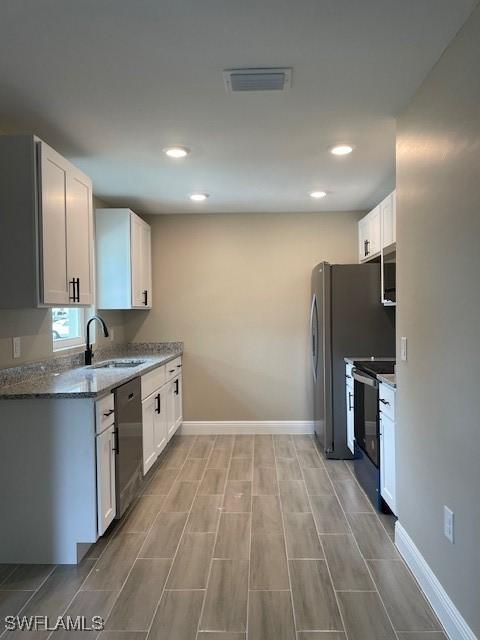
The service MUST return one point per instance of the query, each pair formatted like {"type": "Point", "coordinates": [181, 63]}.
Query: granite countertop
{"type": "Point", "coordinates": [40, 380]}
{"type": "Point", "coordinates": [388, 378]}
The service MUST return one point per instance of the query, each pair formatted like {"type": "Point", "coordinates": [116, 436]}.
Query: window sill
{"type": "Point", "coordinates": [79, 346]}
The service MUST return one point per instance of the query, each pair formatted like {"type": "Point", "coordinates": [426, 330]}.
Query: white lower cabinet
{"type": "Point", "coordinates": [148, 429]}
{"type": "Point", "coordinates": [388, 476]}
{"type": "Point", "coordinates": [162, 414]}
{"type": "Point", "coordinates": [154, 419]}
{"type": "Point", "coordinates": [350, 410]}
{"type": "Point", "coordinates": [178, 399]}
{"type": "Point", "coordinates": [106, 506]}
{"type": "Point", "coordinates": [160, 421]}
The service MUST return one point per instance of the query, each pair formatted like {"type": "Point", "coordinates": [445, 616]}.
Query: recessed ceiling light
{"type": "Point", "coordinates": [199, 197]}
{"type": "Point", "coordinates": [176, 152]}
{"type": "Point", "coordinates": [318, 194]}
{"type": "Point", "coordinates": [341, 150]}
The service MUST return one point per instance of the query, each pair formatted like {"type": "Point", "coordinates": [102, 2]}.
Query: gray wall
{"type": "Point", "coordinates": [236, 289]}
{"type": "Point", "coordinates": [438, 230]}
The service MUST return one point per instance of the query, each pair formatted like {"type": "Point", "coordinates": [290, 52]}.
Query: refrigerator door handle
{"type": "Point", "coordinates": [313, 335]}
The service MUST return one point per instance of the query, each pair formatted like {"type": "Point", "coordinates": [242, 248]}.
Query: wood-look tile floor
{"type": "Point", "coordinates": [237, 538]}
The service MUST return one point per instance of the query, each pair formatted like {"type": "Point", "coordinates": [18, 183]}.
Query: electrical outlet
{"type": "Point", "coordinates": [448, 523]}
{"type": "Point", "coordinates": [403, 348]}
{"type": "Point", "coordinates": [16, 347]}
{"type": "Point", "coordinates": [111, 333]}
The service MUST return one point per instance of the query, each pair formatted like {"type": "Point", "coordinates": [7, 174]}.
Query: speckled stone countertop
{"type": "Point", "coordinates": [388, 378]}
{"type": "Point", "coordinates": [56, 379]}
{"type": "Point", "coordinates": [351, 359]}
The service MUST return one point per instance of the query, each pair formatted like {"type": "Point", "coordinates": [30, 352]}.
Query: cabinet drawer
{"type": "Point", "coordinates": [173, 368]}
{"type": "Point", "coordinates": [387, 400]}
{"type": "Point", "coordinates": [153, 380]}
{"type": "Point", "coordinates": [104, 413]}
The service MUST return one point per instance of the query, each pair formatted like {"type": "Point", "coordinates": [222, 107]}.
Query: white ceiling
{"type": "Point", "coordinates": [109, 83]}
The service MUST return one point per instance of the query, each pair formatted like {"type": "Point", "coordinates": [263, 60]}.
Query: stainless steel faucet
{"type": "Point", "coordinates": [88, 346]}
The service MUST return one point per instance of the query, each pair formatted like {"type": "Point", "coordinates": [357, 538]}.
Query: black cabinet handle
{"type": "Point", "coordinates": [75, 282]}
{"type": "Point", "coordinates": [179, 366]}
{"type": "Point", "coordinates": [176, 387]}
{"type": "Point", "coordinates": [108, 413]}
{"type": "Point", "coordinates": [384, 401]}
{"type": "Point", "coordinates": [145, 297]}
{"type": "Point", "coordinates": [116, 447]}
{"type": "Point", "coordinates": [366, 249]}
{"type": "Point", "coordinates": [71, 283]}
{"type": "Point", "coordinates": [158, 408]}
{"type": "Point", "coordinates": [350, 406]}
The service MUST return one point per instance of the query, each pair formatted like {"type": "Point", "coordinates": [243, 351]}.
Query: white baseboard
{"type": "Point", "coordinates": [448, 614]}
{"type": "Point", "coordinates": [247, 427]}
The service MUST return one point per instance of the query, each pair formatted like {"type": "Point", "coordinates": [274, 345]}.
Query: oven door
{"type": "Point", "coordinates": [367, 433]}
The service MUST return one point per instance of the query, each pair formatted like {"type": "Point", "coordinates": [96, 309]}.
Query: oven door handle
{"type": "Point", "coordinates": [359, 377]}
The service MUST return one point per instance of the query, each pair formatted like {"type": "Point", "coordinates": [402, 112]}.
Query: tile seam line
{"type": "Point", "coordinates": [143, 543]}
{"type": "Point", "coordinates": [358, 547]}
{"type": "Point", "coordinates": [202, 608]}
{"type": "Point", "coordinates": [320, 537]}
{"type": "Point", "coordinates": [181, 534]}
{"type": "Point", "coordinates": [399, 559]}
{"type": "Point", "coordinates": [284, 531]}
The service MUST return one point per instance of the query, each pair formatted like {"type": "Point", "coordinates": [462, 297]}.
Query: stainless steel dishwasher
{"type": "Point", "coordinates": [128, 443]}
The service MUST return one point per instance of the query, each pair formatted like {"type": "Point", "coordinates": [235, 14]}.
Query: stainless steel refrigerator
{"type": "Point", "coordinates": [346, 319]}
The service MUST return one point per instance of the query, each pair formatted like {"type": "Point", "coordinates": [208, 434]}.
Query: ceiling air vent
{"type": "Point", "coordinates": [257, 79]}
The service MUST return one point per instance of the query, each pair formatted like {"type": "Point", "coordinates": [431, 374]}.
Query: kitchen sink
{"type": "Point", "coordinates": [118, 364]}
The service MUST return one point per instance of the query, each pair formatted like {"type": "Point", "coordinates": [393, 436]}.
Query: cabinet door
{"type": "Point", "coordinates": [350, 418]}
{"type": "Point", "coordinates": [160, 421]}
{"type": "Point", "coordinates": [79, 236]}
{"type": "Point", "coordinates": [54, 288]}
{"type": "Point", "coordinates": [136, 239]}
{"type": "Point", "coordinates": [362, 238]}
{"type": "Point", "coordinates": [147, 265]}
{"type": "Point", "coordinates": [394, 216]}
{"type": "Point", "coordinates": [386, 207]}
{"type": "Point", "coordinates": [106, 508]}
{"type": "Point", "coordinates": [148, 431]}
{"type": "Point", "coordinates": [387, 461]}
{"type": "Point", "coordinates": [170, 398]}
{"type": "Point", "coordinates": [178, 395]}
{"type": "Point", "coordinates": [374, 231]}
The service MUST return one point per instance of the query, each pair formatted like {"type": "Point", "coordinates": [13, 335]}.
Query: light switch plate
{"type": "Point", "coordinates": [448, 523]}
{"type": "Point", "coordinates": [16, 347]}
{"type": "Point", "coordinates": [403, 348]}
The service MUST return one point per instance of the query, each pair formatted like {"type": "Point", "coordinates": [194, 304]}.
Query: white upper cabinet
{"type": "Point", "coordinates": [376, 230]}
{"type": "Point", "coordinates": [369, 234]}
{"type": "Point", "coordinates": [46, 252]}
{"type": "Point", "coordinates": [124, 260]}
{"type": "Point", "coordinates": [66, 219]}
{"type": "Point", "coordinates": [141, 262]}
{"type": "Point", "coordinates": [388, 209]}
